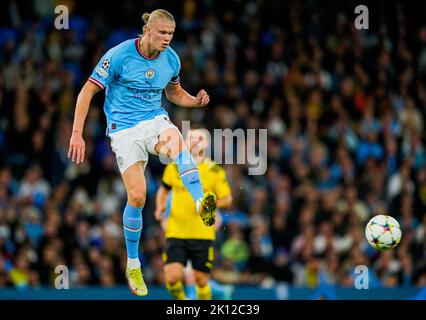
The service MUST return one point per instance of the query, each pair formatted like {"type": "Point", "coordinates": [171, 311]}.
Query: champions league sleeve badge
{"type": "Point", "coordinates": [102, 71]}
{"type": "Point", "coordinates": [105, 64]}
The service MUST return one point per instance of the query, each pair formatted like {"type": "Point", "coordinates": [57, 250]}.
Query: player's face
{"type": "Point", "coordinates": [161, 34]}
{"type": "Point", "coordinates": [197, 141]}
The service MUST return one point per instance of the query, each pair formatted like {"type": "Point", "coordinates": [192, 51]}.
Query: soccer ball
{"type": "Point", "coordinates": [383, 232]}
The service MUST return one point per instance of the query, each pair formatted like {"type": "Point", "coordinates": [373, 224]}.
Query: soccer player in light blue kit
{"type": "Point", "coordinates": [134, 75]}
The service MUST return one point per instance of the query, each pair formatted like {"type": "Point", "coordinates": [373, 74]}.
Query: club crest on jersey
{"type": "Point", "coordinates": [150, 73]}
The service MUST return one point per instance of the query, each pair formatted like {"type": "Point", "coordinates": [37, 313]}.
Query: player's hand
{"type": "Point", "coordinates": [202, 98]}
{"type": "Point", "coordinates": [77, 148]}
{"type": "Point", "coordinates": [159, 214]}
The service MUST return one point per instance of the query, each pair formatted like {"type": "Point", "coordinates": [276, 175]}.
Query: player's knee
{"type": "Point", "coordinates": [172, 143]}
{"type": "Point", "coordinates": [172, 277]}
{"type": "Point", "coordinates": [136, 198]}
{"type": "Point", "coordinates": [175, 147]}
{"type": "Point", "coordinates": [201, 280]}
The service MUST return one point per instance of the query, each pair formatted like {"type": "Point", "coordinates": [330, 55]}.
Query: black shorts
{"type": "Point", "coordinates": [200, 252]}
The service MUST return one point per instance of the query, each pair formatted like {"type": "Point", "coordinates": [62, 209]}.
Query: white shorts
{"type": "Point", "coordinates": [132, 145]}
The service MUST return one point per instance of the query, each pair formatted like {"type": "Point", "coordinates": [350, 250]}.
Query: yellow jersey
{"type": "Point", "coordinates": [184, 222]}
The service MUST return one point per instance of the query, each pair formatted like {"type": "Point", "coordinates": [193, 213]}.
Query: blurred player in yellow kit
{"type": "Point", "coordinates": [187, 238]}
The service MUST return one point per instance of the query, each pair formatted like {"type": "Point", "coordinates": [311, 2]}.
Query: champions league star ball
{"type": "Point", "coordinates": [383, 232]}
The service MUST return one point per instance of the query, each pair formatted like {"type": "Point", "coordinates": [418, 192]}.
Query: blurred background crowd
{"type": "Point", "coordinates": [344, 108]}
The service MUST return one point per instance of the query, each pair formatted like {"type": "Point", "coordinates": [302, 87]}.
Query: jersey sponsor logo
{"type": "Point", "coordinates": [146, 94]}
{"type": "Point", "coordinates": [150, 73]}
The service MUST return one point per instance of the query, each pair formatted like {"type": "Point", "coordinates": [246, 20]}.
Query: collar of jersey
{"type": "Point", "coordinates": [141, 53]}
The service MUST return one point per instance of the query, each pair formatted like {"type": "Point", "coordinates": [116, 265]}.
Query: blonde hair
{"type": "Point", "coordinates": [162, 14]}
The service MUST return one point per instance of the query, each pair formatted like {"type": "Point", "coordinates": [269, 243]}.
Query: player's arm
{"type": "Point", "coordinates": [177, 95]}
{"type": "Point", "coordinates": [77, 145]}
{"type": "Point", "coordinates": [222, 189]}
{"type": "Point", "coordinates": [224, 202]}
{"type": "Point", "coordinates": [161, 201]}
{"type": "Point", "coordinates": [163, 191]}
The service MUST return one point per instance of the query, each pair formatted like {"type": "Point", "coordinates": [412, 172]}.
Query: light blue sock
{"type": "Point", "coordinates": [132, 225]}
{"type": "Point", "coordinates": [189, 174]}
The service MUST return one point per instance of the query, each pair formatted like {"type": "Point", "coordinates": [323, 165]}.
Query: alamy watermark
{"type": "Point", "coordinates": [362, 279]}
{"type": "Point", "coordinates": [248, 147]}
{"type": "Point", "coordinates": [362, 20]}
{"type": "Point", "coordinates": [62, 18]}
{"type": "Point", "coordinates": [62, 280]}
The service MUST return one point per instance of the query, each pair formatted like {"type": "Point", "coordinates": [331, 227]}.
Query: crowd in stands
{"type": "Point", "coordinates": [345, 111]}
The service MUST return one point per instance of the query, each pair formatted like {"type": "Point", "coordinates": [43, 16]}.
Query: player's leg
{"type": "Point", "coordinates": [174, 258]}
{"type": "Point", "coordinates": [219, 291]}
{"type": "Point", "coordinates": [131, 160]}
{"type": "Point", "coordinates": [202, 285]}
{"type": "Point", "coordinates": [201, 253]}
{"type": "Point", "coordinates": [171, 144]}
{"type": "Point", "coordinates": [134, 181]}
{"type": "Point", "coordinates": [173, 277]}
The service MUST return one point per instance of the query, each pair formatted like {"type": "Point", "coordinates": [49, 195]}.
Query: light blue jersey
{"type": "Point", "coordinates": [134, 83]}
